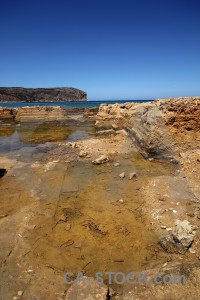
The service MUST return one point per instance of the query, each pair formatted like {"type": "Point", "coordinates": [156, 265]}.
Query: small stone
{"type": "Point", "coordinates": [112, 293]}
{"type": "Point", "coordinates": [20, 293]}
{"type": "Point", "coordinates": [191, 215]}
{"type": "Point", "coordinates": [163, 197]}
{"type": "Point", "coordinates": [114, 126]}
{"type": "Point", "coordinates": [30, 227]}
{"type": "Point", "coordinates": [63, 218]}
{"type": "Point", "coordinates": [174, 161]}
{"type": "Point", "coordinates": [74, 145]}
{"type": "Point", "coordinates": [163, 226]}
{"type": "Point", "coordinates": [116, 165]}
{"type": "Point", "coordinates": [165, 265]}
{"type": "Point", "coordinates": [68, 227]}
{"type": "Point", "coordinates": [132, 175]}
{"type": "Point", "coordinates": [101, 160]}
{"type": "Point", "coordinates": [192, 251]}
{"type": "Point", "coordinates": [82, 153]}
{"type": "Point", "coordinates": [169, 229]}
{"type": "Point", "coordinates": [3, 216]}
{"type": "Point", "coordinates": [29, 271]}
{"type": "Point", "coordinates": [151, 159]}
{"type": "Point", "coordinates": [121, 201]}
{"type": "Point", "coordinates": [122, 175]}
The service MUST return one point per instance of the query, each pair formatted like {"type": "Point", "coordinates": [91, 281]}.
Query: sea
{"type": "Point", "coordinates": [80, 104]}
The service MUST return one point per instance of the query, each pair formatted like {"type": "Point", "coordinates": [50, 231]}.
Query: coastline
{"type": "Point", "coordinates": [120, 187]}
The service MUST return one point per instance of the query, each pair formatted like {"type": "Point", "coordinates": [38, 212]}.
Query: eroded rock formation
{"type": "Point", "coordinates": [153, 125]}
{"type": "Point", "coordinates": [47, 114]}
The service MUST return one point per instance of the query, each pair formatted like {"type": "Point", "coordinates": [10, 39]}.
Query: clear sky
{"type": "Point", "coordinates": [111, 49]}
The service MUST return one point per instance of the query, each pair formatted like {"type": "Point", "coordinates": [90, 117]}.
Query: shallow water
{"type": "Point", "coordinates": [14, 137]}
{"type": "Point", "coordinates": [81, 104]}
{"type": "Point", "coordinates": [80, 225]}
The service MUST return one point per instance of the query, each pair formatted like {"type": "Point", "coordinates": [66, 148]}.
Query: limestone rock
{"type": "Point", "coordinates": [116, 164]}
{"type": "Point", "coordinates": [132, 175]}
{"type": "Point", "coordinates": [101, 160]}
{"type": "Point", "coordinates": [183, 233]}
{"type": "Point", "coordinates": [121, 201]}
{"type": "Point", "coordinates": [122, 175]}
{"type": "Point", "coordinates": [82, 153]}
{"type": "Point", "coordinates": [151, 124]}
{"type": "Point", "coordinates": [88, 291]}
{"type": "Point", "coordinates": [169, 245]}
{"type": "Point", "coordinates": [180, 239]}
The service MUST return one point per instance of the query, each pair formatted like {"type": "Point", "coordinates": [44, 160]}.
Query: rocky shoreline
{"type": "Point", "coordinates": [127, 196]}
{"type": "Point", "coordinates": [36, 114]}
{"type": "Point", "coordinates": [153, 125]}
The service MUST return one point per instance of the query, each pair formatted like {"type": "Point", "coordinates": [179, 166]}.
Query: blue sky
{"type": "Point", "coordinates": [110, 49]}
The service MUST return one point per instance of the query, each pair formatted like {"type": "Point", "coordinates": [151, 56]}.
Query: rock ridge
{"type": "Point", "coordinates": [19, 94]}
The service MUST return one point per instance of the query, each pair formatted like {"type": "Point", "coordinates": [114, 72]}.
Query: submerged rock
{"type": "Point", "coordinates": [87, 289]}
{"type": "Point", "coordinates": [180, 239]}
{"type": "Point", "coordinates": [101, 160]}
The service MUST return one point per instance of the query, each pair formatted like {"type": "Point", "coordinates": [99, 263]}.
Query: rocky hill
{"type": "Point", "coordinates": [18, 94]}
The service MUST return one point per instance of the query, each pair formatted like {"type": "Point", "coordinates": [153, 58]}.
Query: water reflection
{"type": "Point", "coordinates": [7, 129]}
{"type": "Point", "coordinates": [15, 137]}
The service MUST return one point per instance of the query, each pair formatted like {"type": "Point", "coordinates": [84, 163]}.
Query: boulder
{"type": "Point", "coordinates": [180, 239]}
{"type": "Point", "coordinates": [183, 233]}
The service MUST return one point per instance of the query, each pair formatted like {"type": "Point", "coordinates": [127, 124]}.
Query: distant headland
{"type": "Point", "coordinates": [59, 94]}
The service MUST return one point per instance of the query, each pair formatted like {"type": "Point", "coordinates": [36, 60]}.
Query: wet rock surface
{"type": "Point", "coordinates": [60, 212]}
{"type": "Point", "coordinates": [87, 289]}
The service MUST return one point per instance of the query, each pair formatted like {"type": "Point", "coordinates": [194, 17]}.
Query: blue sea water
{"type": "Point", "coordinates": [82, 104]}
